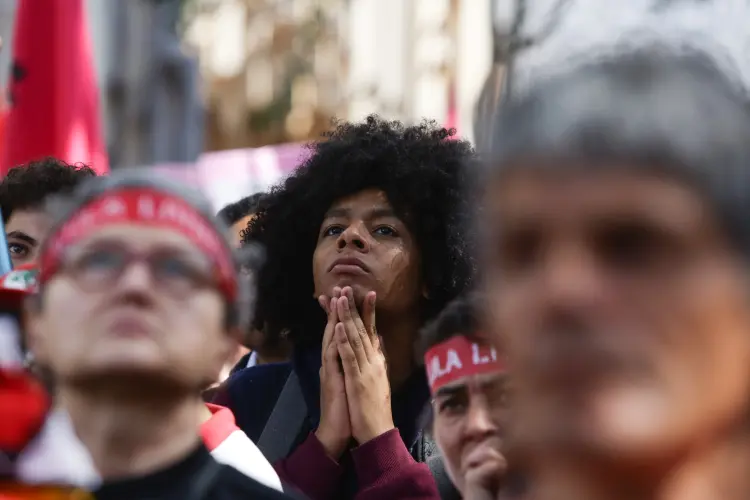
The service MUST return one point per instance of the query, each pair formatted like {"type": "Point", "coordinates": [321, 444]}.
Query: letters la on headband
{"type": "Point", "coordinates": [459, 357]}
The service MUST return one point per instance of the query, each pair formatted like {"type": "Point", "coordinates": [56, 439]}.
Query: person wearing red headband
{"type": "Point", "coordinates": [469, 407]}
{"type": "Point", "coordinates": [140, 302]}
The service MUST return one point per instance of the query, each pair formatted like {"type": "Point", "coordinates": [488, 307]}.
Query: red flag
{"type": "Point", "coordinates": [53, 93]}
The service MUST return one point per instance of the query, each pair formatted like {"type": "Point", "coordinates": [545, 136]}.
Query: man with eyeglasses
{"type": "Point", "coordinates": [139, 305]}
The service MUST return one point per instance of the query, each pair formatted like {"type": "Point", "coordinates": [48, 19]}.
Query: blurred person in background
{"type": "Point", "coordinates": [22, 195]}
{"type": "Point", "coordinates": [369, 230]}
{"type": "Point", "coordinates": [47, 452]}
{"type": "Point", "coordinates": [469, 407]}
{"type": "Point", "coordinates": [615, 256]}
{"type": "Point", "coordinates": [140, 302]}
{"type": "Point", "coordinates": [236, 215]}
{"type": "Point", "coordinates": [260, 346]}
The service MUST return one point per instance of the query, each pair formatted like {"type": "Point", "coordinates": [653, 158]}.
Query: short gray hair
{"type": "Point", "coordinates": [656, 110]}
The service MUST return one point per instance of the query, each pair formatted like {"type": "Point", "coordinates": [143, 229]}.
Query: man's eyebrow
{"type": "Point", "coordinates": [20, 235]}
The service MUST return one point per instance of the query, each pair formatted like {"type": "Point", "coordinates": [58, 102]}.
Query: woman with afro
{"type": "Point", "coordinates": [365, 241]}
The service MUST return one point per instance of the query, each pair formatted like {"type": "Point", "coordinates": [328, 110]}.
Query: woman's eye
{"type": "Point", "coordinates": [333, 231]}
{"type": "Point", "coordinates": [451, 406]}
{"type": "Point", "coordinates": [385, 231]}
{"type": "Point", "coordinates": [18, 249]}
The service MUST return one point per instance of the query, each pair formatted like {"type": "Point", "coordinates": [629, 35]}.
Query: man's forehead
{"type": "Point", "coordinates": [34, 223]}
{"type": "Point", "coordinates": [602, 192]}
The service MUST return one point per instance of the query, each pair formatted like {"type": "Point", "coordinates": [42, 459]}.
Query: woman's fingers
{"type": "Point", "coordinates": [356, 340]}
{"type": "Point", "coordinates": [333, 318]}
{"type": "Point", "coordinates": [348, 356]}
{"type": "Point", "coordinates": [330, 360]}
{"type": "Point", "coordinates": [368, 316]}
{"type": "Point", "coordinates": [363, 332]}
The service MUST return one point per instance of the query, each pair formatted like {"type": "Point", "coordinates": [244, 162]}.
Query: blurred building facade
{"type": "Point", "coordinates": [276, 71]}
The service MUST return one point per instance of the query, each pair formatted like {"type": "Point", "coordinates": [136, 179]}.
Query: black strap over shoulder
{"type": "Point", "coordinates": [285, 422]}
{"type": "Point", "coordinates": [430, 454]}
{"type": "Point", "coordinates": [203, 481]}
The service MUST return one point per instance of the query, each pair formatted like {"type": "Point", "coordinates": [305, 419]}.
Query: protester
{"type": "Point", "coordinates": [236, 215]}
{"type": "Point", "coordinates": [139, 305]}
{"type": "Point", "coordinates": [615, 255]}
{"type": "Point", "coordinates": [469, 398]}
{"type": "Point", "coordinates": [264, 346]}
{"type": "Point", "coordinates": [372, 225]}
{"type": "Point", "coordinates": [22, 195]}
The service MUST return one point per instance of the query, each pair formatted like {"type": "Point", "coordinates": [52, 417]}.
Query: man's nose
{"type": "Point", "coordinates": [571, 278]}
{"type": "Point", "coordinates": [136, 277]}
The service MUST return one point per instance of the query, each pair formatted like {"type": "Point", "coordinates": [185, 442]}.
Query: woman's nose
{"type": "Point", "coordinates": [353, 236]}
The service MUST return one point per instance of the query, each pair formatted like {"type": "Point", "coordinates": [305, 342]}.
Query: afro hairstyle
{"type": "Point", "coordinates": [29, 186]}
{"type": "Point", "coordinates": [234, 212]}
{"type": "Point", "coordinates": [423, 171]}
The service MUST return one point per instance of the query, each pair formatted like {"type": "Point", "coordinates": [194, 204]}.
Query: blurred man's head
{"type": "Point", "coordinates": [236, 215]}
{"type": "Point", "coordinates": [22, 195]}
{"type": "Point", "coordinates": [615, 256]}
{"type": "Point", "coordinates": [468, 384]}
{"type": "Point", "coordinates": [137, 282]}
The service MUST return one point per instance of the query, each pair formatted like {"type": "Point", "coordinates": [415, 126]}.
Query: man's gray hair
{"type": "Point", "coordinates": [656, 109]}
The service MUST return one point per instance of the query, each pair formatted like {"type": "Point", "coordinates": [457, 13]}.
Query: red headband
{"type": "Point", "coordinates": [147, 207]}
{"type": "Point", "coordinates": [458, 357]}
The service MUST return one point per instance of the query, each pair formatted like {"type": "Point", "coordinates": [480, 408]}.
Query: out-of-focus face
{"type": "Point", "coordinates": [624, 311]}
{"type": "Point", "coordinates": [25, 231]}
{"type": "Point", "coordinates": [470, 418]}
{"type": "Point", "coordinates": [160, 319]}
{"type": "Point", "coordinates": [363, 244]}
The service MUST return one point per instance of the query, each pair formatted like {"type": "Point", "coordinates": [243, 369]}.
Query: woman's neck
{"type": "Point", "coordinates": [131, 436]}
{"type": "Point", "coordinates": [398, 338]}
{"type": "Point", "coordinates": [716, 471]}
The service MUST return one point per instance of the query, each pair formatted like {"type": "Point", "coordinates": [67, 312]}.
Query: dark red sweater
{"type": "Point", "coordinates": [384, 467]}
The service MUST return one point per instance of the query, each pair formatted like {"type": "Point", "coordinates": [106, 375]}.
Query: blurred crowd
{"type": "Point", "coordinates": [559, 312]}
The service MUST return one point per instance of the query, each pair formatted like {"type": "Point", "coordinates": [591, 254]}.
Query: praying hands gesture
{"type": "Point", "coordinates": [355, 402]}
{"type": "Point", "coordinates": [368, 391]}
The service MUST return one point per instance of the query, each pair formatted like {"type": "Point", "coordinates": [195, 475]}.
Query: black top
{"type": "Point", "coordinates": [196, 477]}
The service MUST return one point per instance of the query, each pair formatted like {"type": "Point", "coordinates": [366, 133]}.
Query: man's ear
{"type": "Point", "coordinates": [30, 325]}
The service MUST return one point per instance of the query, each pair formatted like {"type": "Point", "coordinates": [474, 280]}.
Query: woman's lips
{"type": "Point", "coordinates": [348, 265]}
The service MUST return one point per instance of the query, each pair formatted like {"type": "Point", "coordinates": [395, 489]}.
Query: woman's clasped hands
{"type": "Point", "coordinates": [355, 396]}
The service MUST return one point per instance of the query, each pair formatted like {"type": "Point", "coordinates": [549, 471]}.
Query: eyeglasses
{"type": "Point", "coordinates": [174, 272]}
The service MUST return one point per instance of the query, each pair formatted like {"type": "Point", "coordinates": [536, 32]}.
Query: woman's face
{"type": "Point", "coordinates": [363, 244]}
{"type": "Point", "coordinates": [471, 416]}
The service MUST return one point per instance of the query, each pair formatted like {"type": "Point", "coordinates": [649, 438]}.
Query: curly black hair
{"type": "Point", "coordinates": [234, 212]}
{"type": "Point", "coordinates": [423, 171]}
{"type": "Point", "coordinates": [29, 186]}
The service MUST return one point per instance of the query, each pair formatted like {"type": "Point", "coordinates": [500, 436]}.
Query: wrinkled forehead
{"type": "Point", "coordinates": [473, 384]}
{"type": "Point", "coordinates": [608, 194]}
